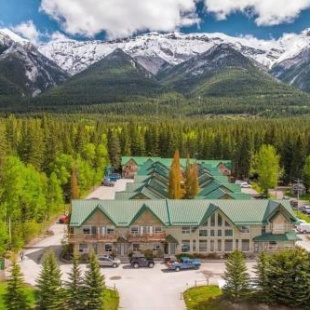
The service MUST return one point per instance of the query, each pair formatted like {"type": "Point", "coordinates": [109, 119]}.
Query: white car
{"type": "Point", "coordinates": [245, 185]}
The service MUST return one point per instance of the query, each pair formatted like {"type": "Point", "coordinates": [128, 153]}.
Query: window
{"type": "Point", "coordinates": [110, 230]}
{"type": "Point", "coordinates": [203, 245]}
{"type": "Point", "coordinates": [228, 245]}
{"type": "Point", "coordinates": [157, 229]}
{"type": "Point", "coordinates": [86, 230]}
{"type": "Point", "coordinates": [212, 233]}
{"type": "Point", "coordinates": [101, 230]}
{"type": "Point", "coordinates": [228, 233]}
{"type": "Point", "coordinates": [219, 233]}
{"type": "Point", "coordinates": [186, 229]}
{"type": "Point", "coordinates": [219, 245]}
{"type": "Point", "coordinates": [186, 246]}
{"type": "Point", "coordinates": [108, 247]}
{"type": "Point", "coordinates": [219, 220]}
{"type": "Point", "coordinates": [245, 245]}
{"type": "Point", "coordinates": [83, 248]}
{"type": "Point", "coordinates": [227, 224]}
{"type": "Point", "coordinates": [136, 247]}
{"type": "Point", "coordinates": [203, 233]}
{"type": "Point", "coordinates": [134, 230]}
{"type": "Point", "coordinates": [212, 245]}
{"type": "Point", "coordinates": [212, 220]}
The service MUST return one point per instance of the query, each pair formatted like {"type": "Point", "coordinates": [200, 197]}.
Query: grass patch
{"type": "Point", "coordinates": [203, 298]}
{"type": "Point", "coordinates": [111, 299]}
{"type": "Point", "coordinates": [302, 216]}
{"type": "Point", "coordinates": [29, 290]}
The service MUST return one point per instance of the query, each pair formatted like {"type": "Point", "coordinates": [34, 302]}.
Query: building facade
{"type": "Point", "coordinates": [208, 227]}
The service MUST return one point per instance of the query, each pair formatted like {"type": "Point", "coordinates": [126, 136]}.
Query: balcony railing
{"type": "Point", "coordinates": [147, 237]}
{"type": "Point", "coordinates": [93, 238]}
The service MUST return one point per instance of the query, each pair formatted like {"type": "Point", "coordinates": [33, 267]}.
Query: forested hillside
{"type": "Point", "coordinates": [41, 157]}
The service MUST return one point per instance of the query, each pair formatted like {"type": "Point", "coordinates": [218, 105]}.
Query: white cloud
{"type": "Point", "coordinates": [27, 30]}
{"type": "Point", "coordinates": [120, 18]}
{"type": "Point", "coordinates": [266, 12]}
{"type": "Point", "coordinates": [57, 36]}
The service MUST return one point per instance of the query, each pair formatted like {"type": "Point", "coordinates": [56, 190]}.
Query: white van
{"type": "Point", "coordinates": [303, 228]}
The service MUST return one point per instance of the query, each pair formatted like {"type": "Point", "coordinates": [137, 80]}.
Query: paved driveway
{"type": "Point", "coordinates": [107, 192]}
{"type": "Point", "coordinates": [140, 289]}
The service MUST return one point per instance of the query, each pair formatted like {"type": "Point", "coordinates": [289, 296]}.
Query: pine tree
{"type": "Point", "coordinates": [289, 278]}
{"type": "Point", "coordinates": [262, 274]}
{"type": "Point", "coordinates": [14, 297]}
{"type": "Point", "coordinates": [114, 149]}
{"type": "Point", "coordinates": [75, 292]}
{"type": "Point", "coordinates": [50, 294]}
{"type": "Point", "coordinates": [175, 178]}
{"type": "Point", "coordinates": [94, 285]}
{"type": "Point", "coordinates": [236, 276]}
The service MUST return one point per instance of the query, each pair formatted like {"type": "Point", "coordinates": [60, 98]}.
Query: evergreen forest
{"type": "Point", "coordinates": [45, 160]}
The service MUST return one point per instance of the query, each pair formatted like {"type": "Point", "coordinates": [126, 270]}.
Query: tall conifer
{"type": "Point", "coordinates": [14, 297]}
{"type": "Point", "coordinates": [50, 294]}
{"type": "Point", "coordinates": [94, 285]}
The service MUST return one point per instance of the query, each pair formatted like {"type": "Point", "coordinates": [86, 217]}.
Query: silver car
{"type": "Point", "coordinates": [108, 261]}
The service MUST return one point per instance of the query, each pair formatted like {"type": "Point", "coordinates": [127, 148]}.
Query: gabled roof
{"type": "Point", "coordinates": [207, 164]}
{"type": "Point", "coordinates": [182, 212]}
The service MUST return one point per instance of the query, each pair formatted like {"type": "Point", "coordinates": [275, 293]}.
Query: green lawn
{"type": "Point", "coordinates": [29, 290]}
{"type": "Point", "coordinates": [203, 298]}
{"type": "Point", "coordinates": [111, 297]}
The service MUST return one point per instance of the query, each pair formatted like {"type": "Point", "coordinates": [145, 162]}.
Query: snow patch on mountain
{"type": "Point", "coordinates": [8, 34]}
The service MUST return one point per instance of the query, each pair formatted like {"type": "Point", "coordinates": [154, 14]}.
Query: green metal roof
{"type": "Point", "coordinates": [289, 236]}
{"type": "Point", "coordinates": [207, 164]}
{"type": "Point", "coordinates": [181, 212]}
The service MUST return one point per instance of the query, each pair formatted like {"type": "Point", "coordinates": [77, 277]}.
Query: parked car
{"type": "Point", "coordinates": [305, 209]}
{"type": "Point", "coordinates": [63, 219]}
{"type": "Point", "coordinates": [108, 261]}
{"type": "Point", "coordinates": [141, 261]}
{"type": "Point", "coordinates": [245, 185]}
{"type": "Point", "coordinates": [294, 203]}
{"type": "Point", "coordinates": [303, 228]}
{"type": "Point", "coordinates": [107, 182]}
{"type": "Point", "coordinates": [184, 263]}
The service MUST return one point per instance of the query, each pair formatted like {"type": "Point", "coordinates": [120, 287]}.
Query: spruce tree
{"type": "Point", "coordinates": [14, 297]}
{"type": "Point", "coordinates": [75, 293]}
{"type": "Point", "coordinates": [50, 294]}
{"type": "Point", "coordinates": [236, 277]}
{"type": "Point", "coordinates": [262, 275]}
{"type": "Point", "coordinates": [94, 285]}
{"type": "Point", "coordinates": [289, 278]}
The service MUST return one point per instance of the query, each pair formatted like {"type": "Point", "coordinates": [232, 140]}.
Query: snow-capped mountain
{"type": "Point", "coordinates": [24, 69]}
{"type": "Point", "coordinates": [155, 51]}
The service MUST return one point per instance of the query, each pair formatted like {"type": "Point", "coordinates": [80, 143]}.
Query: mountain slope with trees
{"type": "Point", "coordinates": [116, 78]}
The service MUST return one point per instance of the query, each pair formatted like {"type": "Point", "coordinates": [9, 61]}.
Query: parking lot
{"type": "Point", "coordinates": [108, 192]}
{"type": "Point", "coordinates": [140, 289]}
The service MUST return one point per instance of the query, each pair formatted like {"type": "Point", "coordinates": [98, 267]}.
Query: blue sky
{"type": "Point", "coordinates": [43, 20]}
